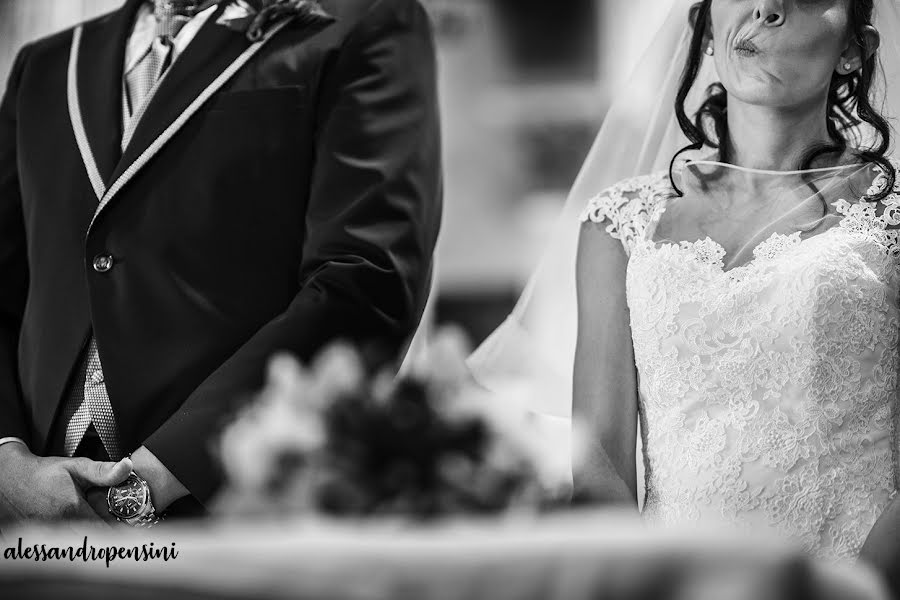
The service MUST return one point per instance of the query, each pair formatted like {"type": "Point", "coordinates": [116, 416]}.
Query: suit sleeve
{"type": "Point", "coordinates": [372, 225]}
{"type": "Point", "coordinates": [13, 263]}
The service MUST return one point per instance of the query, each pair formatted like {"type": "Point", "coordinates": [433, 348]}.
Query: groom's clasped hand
{"type": "Point", "coordinates": [52, 488]}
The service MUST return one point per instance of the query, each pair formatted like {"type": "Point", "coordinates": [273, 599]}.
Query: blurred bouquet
{"type": "Point", "coordinates": [331, 439]}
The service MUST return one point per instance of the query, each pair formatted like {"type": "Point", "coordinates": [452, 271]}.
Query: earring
{"type": "Point", "coordinates": [709, 51]}
{"type": "Point", "coordinates": [848, 67]}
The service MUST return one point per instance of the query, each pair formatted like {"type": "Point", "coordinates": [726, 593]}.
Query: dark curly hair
{"type": "Point", "coordinates": [849, 104]}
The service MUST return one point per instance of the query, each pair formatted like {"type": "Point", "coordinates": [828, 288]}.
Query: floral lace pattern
{"type": "Point", "coordinates": [629, 206]}
{"type": "Point", "coordinates": [767, 392]}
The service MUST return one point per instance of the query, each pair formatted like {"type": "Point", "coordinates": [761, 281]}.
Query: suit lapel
{"type": "Point", "coordinates": [208, 62]}
{"type": "Point", "coordinates": [99, 91]}
{"type": "Point", "coordinates": [214, 48]}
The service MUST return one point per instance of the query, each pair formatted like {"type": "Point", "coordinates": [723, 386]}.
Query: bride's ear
{"type": "Point", "coordinates": [859, 50]}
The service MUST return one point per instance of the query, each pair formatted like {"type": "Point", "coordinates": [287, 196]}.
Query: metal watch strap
{"type": "Point", "coordinates": [151, 519]}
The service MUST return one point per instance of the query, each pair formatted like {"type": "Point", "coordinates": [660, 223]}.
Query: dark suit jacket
{"type": "Point", "coordinates": [298, 204]}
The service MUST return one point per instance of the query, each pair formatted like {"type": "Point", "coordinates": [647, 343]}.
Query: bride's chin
{"type": "Point", "coordinates": [763, 92]}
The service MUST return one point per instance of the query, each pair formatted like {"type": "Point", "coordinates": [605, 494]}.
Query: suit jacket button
{"type": "Point", "coordinates": [103, 263]}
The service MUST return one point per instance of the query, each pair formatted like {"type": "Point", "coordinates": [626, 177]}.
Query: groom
{"type": "Point", "coordinates": [186, 188]}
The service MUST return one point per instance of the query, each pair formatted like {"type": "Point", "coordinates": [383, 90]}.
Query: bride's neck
{"type": "Point", "coordinates": [763, 137]}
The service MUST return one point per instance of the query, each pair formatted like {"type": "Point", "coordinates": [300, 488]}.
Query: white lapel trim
{"type": "Point", "coordinates": [84, 147]}
{"type": "Point", "coordinates": [105, 195]}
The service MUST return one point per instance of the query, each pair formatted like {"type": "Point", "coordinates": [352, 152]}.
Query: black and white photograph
{"type": "Point", "coordinates": [450, 299]}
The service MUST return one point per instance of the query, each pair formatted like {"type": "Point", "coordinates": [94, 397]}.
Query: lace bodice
{"type": "Point", "coordinates": [768, 392]}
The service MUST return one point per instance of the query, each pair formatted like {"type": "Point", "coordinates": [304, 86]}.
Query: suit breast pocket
{"type": "Point", "coordinates": [255, 124]}
{"type": "Point", "coordinates": [285, 98]}
{"type": "Point", "coordinates": [247, 144]}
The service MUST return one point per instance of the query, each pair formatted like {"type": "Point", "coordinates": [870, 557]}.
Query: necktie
{"type": "Point", "coordinates": [171, 16]}
{"type": "Point", "coordinates": [91, 405]}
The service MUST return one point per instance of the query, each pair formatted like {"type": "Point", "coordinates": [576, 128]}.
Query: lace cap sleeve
{"type": "Point", "coordinates": [627, 207]}
{"type": "Point", "coordinates": [880, 218]}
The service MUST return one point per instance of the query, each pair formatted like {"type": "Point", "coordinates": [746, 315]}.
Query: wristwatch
{"type": "Point", "coordinates": [130, 502]}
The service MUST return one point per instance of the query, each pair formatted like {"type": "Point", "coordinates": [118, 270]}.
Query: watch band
{"type": "Point", "coordinates": [146, 521]}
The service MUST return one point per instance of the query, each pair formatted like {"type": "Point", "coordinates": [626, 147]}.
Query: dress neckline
{"type": "Point", "coordinates": [711, 252]}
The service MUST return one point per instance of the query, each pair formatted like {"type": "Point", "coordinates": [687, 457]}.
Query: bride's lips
{"type": "Point", "coordinates": [746, 48]}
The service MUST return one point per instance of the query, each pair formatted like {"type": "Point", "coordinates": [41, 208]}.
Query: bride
{"type": "Point", "coordinates": [733, 290]}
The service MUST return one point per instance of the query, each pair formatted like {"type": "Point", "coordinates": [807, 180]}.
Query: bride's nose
{"type": "Point", "coordinates": [770, 12]}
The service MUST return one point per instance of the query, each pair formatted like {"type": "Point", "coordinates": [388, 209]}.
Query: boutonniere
{"type": "Point", "coordinates": [254, 18]}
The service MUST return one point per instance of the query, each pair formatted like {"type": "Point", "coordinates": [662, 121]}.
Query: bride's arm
{"type": "Point", "coordinates": [882, 547]}
{"type": "Point", "coordinates": [605, 379]}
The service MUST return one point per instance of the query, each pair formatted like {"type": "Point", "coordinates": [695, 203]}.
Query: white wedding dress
{"type": "Point", "coordinates": [768, 392]}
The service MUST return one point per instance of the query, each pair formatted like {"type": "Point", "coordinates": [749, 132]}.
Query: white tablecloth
{"type": "Point", "coordinates": [571, 556]}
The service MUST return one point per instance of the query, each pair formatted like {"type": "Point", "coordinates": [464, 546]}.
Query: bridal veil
{"type": "Point", "coordinates": [529, 358]}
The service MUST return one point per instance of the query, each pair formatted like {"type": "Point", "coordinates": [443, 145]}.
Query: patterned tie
{"type": "Point", "coordinates": [171, 16]}
{"type": "Point", "coordinates": [90, 404]}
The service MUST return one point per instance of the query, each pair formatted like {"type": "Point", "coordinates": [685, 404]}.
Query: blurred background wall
{"type": "Point", "coordinates": [25, 20]}
{"type": "Point", "coordinates": [524, 88]}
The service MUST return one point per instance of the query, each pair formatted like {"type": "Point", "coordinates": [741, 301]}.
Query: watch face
{"type": "Point", "coordinates": [127, 499]}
